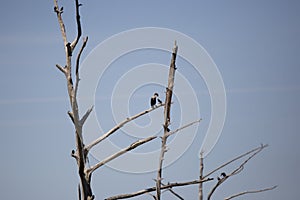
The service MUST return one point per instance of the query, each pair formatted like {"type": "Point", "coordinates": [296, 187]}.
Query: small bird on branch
{"type": "Point", "coordinates": [153, 100]}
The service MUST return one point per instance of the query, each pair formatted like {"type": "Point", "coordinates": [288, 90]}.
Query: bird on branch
{"type": "Point", "coordinates": [153, 100]}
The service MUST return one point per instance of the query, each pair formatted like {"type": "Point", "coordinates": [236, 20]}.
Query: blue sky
{"type": "Point", "coordinates": [255, 44]}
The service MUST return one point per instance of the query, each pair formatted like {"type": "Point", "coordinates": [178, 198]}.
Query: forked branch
{"type": "Point", "coordinates": [110, 158]}
{"type": "Point", "coordinates": [235, 159]}
{"type": "Point", "coordinates": [234, 172]}
{"type": "Point", "coordinates": [120, 125]}
{"type": "Point", "coordinates": [173, 192]}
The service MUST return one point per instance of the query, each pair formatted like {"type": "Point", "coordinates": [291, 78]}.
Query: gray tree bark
{"type": "Point", "coordinates": [167, 120]}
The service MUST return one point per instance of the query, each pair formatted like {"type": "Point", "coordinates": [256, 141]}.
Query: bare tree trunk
{"type": "Point", "coordinates": [167, 110]}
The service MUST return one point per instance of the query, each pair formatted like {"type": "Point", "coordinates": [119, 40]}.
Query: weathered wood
{"type": "Point", "coordinates": [152, 189]}
{"type": "Point", "coordinates": [236, 171]}
{"type": "Point", "coordinates": [80, 155]}
{"type": "Point", "coordinates": [120, 125]}
{"type": "Point", "coordinates": [167, 110]}
{"type": "Point", "coordinates": [250, 191]}
{"type": "Point", "coordinates": [121, 152]}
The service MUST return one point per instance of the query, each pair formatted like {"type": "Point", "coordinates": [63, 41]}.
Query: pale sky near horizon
{"type": "Point", "coordinates": [255, 45]}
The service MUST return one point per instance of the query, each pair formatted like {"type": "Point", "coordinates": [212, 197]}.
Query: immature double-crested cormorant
{"type": "Point", "coordinates": [153, 99]}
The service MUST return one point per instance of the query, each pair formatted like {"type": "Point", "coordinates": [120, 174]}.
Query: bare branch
{"type": "Point", "coordinates": [183, 127]}
{"type": "Point", "coordinates": [220, 181]}
{"type": "Point", "coordinates": [236, 158]}
{"type": "Point", "coordinates": [167, 118]}
{"type": "Point", "coordinates": [129, 148]}
{"type": "Point", "coordinates": [152, 189]}
{"type": "Point", "coordinates": [251, 191]}
{"type": "Point", "coordinates": [67, 69]}
{"type": "Point", "coordinates": [170, 190]}
{"type": "Point", "coordinates": [153, 196]}
{"type": "Point", "coordinates": [234, 172]}
{"type": "Point", "coordinates": [77, 64]}
{"type": "Point", "coordinates": [240, 168]}
{"type": "Point", "coordinates": [173, 192]}
{"type": "Point", "coordinates": [86, 115]}
{"type": "Point", "coordinates": [79, 32]}
{"type": "Point", "coordinates": [62, 69]}
{"type": "Point", "coordinates": [118, 126]}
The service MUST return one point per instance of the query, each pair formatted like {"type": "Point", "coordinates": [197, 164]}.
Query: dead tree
{"type": "Point", "coordinates": [82, 150]}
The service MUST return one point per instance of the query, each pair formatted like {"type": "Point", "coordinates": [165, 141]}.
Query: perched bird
{"type": "Point", "coordinates": [223, 174]}
{"type": "Point", "coordinates": [153, 99]}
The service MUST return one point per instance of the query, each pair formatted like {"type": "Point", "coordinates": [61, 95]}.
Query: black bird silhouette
{"type": "Point", "coordinates": [153, 99]}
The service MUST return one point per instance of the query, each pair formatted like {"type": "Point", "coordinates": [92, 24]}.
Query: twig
{"type": "Point", "coordinates": [170, 185]}
{"type": "Point", "coordinates": [234, 172]}
{"type": "Point", "coordinates": [170, 190]}
{"type": "Point", "coordinates": [236, 158]}
{"type": "Point", "coordinates": [74, 43]}
{"type": "Point", "coordinates": [183, 127]}
{"type": "Point", "coordinates": [153, 196]}
{"type": "Point", "coordinates": [251, 191]}
{"type": "Point", "coordinates": [174, 193]}
{"type": "Point", "coordinates": [86, 115]}
{"type": "Point", "coordinates": [77, 64]}
{"type": "Point", "coordinates": [62, 69]}
{"type": "Point", "coordinates": [129, 148]}
{"type": "Point", "coordinates": [118, 126]}
{"type": "Point", "coordinates": [167, 110]}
